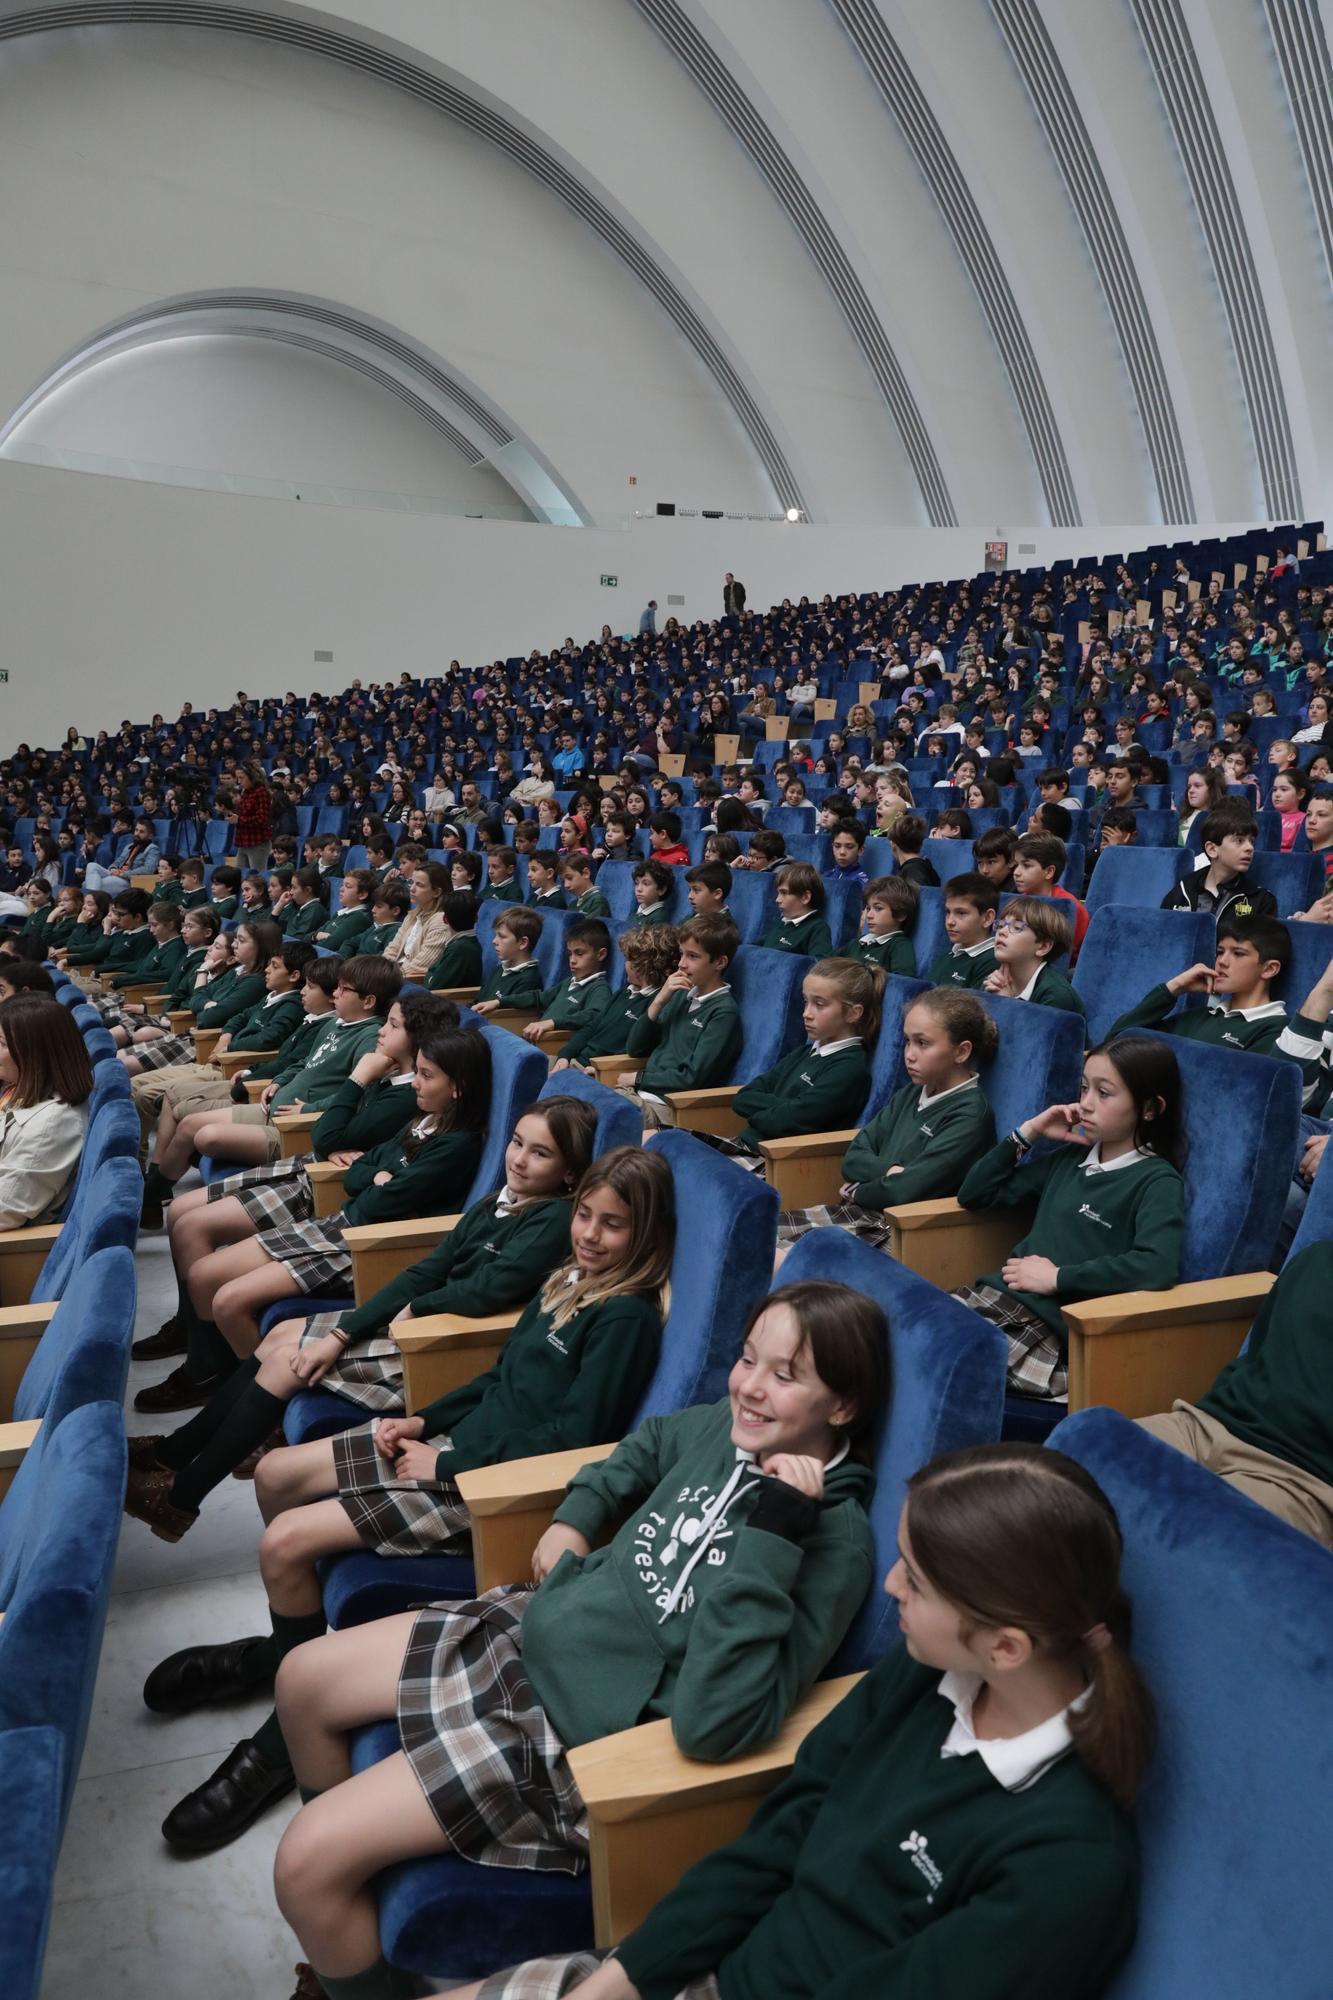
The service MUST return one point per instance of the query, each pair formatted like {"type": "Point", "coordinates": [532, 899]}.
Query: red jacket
{"type": "Point", "coordinates": [253, 821]}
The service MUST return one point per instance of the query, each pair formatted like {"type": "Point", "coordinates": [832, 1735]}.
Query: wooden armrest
{"type": "Point", "coordinates": [515, 1019]}
{"type": "Point", "coordinates": [442, 1351]}
{"type": "Point", "coordinates": [653, 1813]}
{"type": "Point", "coordinates": [179, 1019]}
{"type": "Point", "coordinates": [233, 1059]}
{"type": "Point", "coordinates": [463, 995]}
{"type": "Point", "coordinates": [952, 1245]}
{"type": "Point", "coordinates": [22, 1255]}
{"type": "Point", "coordinates": [153, 1001]}
{"type": "Point", "coordinates": [16, 1440]}
{"type": "Point", "coordinates": [146, 882]}
{"type": "Point", "coordinates": [293, 1127]}
{"type": "Point", "coordinates": [706, 1110]}
{"type": "Point", "coordinates": [254, 1089]}
{"type": "Point", "coordinates": [1137, 1352]}
{"type": "Point", "coordinates": [326, 1180]}
{"type": "Point", "coordinates": [205, 1041]}
{"type": "Point", "coordinates": [139, 992]}
{"type": "Point", "coordinates": [511, 1507]}
{"type": "Point", "coordinates": [608, 1068]}
{"type": "Point", "coordinates": [806, 1171]}
{"type": "Point", "coordinates": [381, 1250]}
{"type": "Point", "coordinates": [21, 1327]}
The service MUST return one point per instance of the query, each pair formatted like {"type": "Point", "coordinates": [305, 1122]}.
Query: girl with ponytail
{"type": "Point", "coordinates": [977, 1844]}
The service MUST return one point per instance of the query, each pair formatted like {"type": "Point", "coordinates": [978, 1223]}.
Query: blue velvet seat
{"type": "Point", "coordinates": [615, 880]}
{"type": "Point", "coordinates": [1311, 949]}
{"type": "Point", "coordinates": [1295, 879]}
{"type": "Point", "coordinates": [726, 1230]}
{"type": "Point", "coordinates": [767, 989]}
{"type": "Point", "coordinates": [752, 901]}
{"type": "Point", "coordinates": [1039, 1060]}
{"type": "Point", "coordinates": [32, 1779]}
{"type": "Point", "coordinates": [929, 938]}
{"type": "Point", "coordinates": [89, 1328]}
{"type": "Point", "coordinates": [452, 1920]}
{"type": "Point", "coordinates": [1233, 1628]}
{"type": "Point", "coordinates": [105, 1210]}
{"type": "Point", "coordinates": [1127, 950]}
{"type": "Point", "coordinates": [948, 858]}
{"type": "Point", "coordinates": [1138, 875]}
{"type": "Point", "coordinates": [56, 1590]}
{"type": "Point", "coordinates": [886, 1061]}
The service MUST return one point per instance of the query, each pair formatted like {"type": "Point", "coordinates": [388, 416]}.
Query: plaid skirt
{"type": "Point", "coordinates": [312, 1251]}
{"type": "Point", "coordinates": [162, 1054]}
{"type": "Point", "coordinates": [397, 1517]}
{"type": "Point", "coordinates": [866, 1223]}
{"type": "Point", "coordinates": [370, 1372]}
{"type": "Point", "coordinates": [277, 1195]}
{"type": "Point", "coordinates": [493, 1770]}
{"type": "Point", "coordinates": [1038, 1358]}
{"type": "Point", "coordinates": [552, 1978]}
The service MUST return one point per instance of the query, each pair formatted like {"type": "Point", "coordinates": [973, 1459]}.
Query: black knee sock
{"type": "Point", "coordinates": [156, 1182]}
{"type": "Point", "coordinates": [207, 1353]}
{"type": "Point", "coordinates": [189, 1439]}
{"type": "Point", "coordinates": [288, 1634]}
{"type": "Point", "coordinates": [252, 1417]}
{"type": "Point", "coordinates": [380, 1981]}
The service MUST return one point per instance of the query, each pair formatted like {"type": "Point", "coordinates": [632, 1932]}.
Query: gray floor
{"type": "Point", "coordinates": [130, 1920]}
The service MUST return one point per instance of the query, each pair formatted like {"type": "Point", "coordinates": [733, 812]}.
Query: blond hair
{"type": "Point", "coordinates": [643, 1182]}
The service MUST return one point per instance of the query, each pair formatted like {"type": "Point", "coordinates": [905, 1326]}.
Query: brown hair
{"type": "Point", "coordinates": [1046, 849]}
{"type": "Point", "coordinates": [642, 1180]}
{"type": "Point", "coordinates": [978, 890]}
{"type": "Point", "coordinates": [903, 898]}
{"type": "Point", "coordinates": [802, 878]}
{"type": "Point", "coordinates": [572, 1124]}
{"type": "Point", "coordinates": [265, 935]}
{"type": "Point", "coordinates": [717, 936]}
{"type": "Point", "coordinates": [48, 1051]}
{"type": "Point", "coordinates": [520, 922]}
{"type": "Point", "coordinates": [962, 1017]}
{"type": "Point", "coordinates": [654, 948]}
{"type": "Point", "coordinates": [1018, 1534]}
{"type": "Point", "coordinates": [370, 975]}
{"type": "Point", "coordinates": [857, 984]}
{"type": "Point", "coordinates": [1047, 924]}
{"type": "Point", "coordinates": [848, 1339]}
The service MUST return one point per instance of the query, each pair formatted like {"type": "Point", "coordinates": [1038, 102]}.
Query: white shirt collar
{"type": "Point", "coordinates": [1026, 994]}
{"type": "Point", "coordinates": [698, 1000]}
{"type": "Point", "coordinates": [1093, 1163]}
{"type": "Point", "coordinates": [647, 909]}
{"type": "Point", "coordinates": [522, 966]}
{"type": "Point", "coordinates": [1016, 1762]}
{"type": "Point", "coordinates": [1269, 1011]}
{"type": "Point", "coordinates": [925, 1099]}
{"type": "Point", "coordinates": [403, 1076]}
{"type": "Point", "coordinates": [973, 950]}
{"type": "Point", "coordinates": [506, 1202]}
{"type": "Point", "coordinates": [835, 1048]}
{"type": "Point", "coordinates": [801, 919]}
{"type": "Point", "coordinates": [588, 979]}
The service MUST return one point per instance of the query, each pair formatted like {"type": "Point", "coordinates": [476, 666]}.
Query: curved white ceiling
{"type": "Point", "coordinates": [1038, 261]}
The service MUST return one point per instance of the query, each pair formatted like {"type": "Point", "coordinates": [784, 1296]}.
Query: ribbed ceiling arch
{"type": "Point", "coordinates": [935, 160]}
{"type": "Point", "coordinates": [807, 218]}
{"type": "Point", "coordinates": [1307, 77]}
{"type": "Point", "coordinates": [521, 146]}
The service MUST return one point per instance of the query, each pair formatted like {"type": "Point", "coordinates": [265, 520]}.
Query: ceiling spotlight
{"type": "Point", "coordinates": [793, 513]}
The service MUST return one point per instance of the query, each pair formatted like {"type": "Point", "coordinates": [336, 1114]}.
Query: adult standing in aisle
{"type": "Point", "coordinates": [733, 597]}
{"type": "Point", "coordinates": [254, 820]}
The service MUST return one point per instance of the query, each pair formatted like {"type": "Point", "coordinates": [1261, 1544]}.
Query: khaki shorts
{"type": "Point", "coordinates": [656, 1113]}
{"type": "Point", "coordinates": [1294, 1495]}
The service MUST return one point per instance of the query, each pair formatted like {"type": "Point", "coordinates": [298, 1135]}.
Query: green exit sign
{"type": "Point", "coordinates": [609, 582]}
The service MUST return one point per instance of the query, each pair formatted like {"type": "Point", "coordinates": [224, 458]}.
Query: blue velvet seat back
{"type": "Point", "coordinates": [619, 1123]}
{"type": "Point", "coordinates": [86, 1017]}
{"type": "Point", "coordinates": [948, 858]}
{"type": "Point", "coordinates": [929, 938]}
{"type": "Point", "coordinates": [886, 1061]}
{"type": "Point", "coordinates": [107, 1214]}
{"type": "Point", "coordinates": [98, 1305]}
{"type": "Point", "coordinates": [32, 1783]}
{"type": "Point", "coordinates": [1039, 1060]}
{"type": "Point", "coordinates": [1129, 950]}
{"type": "Point", "coordinates": [615, 880]}
{"type": "Point", "coordinates": [752, 901]}
{"type": "Point", "coordinates": [56, 1609]}
{"type": "Point", "coordinates": [947, 1373]}
{"type": "Point", "coordinates": [1311, 949]}
{"type": "Point", "coordinates": [549, 952]}
{"type": "Point", "coordinates": [842, 911]}
{"type": "Point", "coordinates": [518, 1072]}
{"type": "Point", "coordinates": [1137, 875]}
{"type": "Point", "coordinates": [1242, 1112]}
{"type": "Point", "coordinates": [101, 1049]}
{"type": "Point", "coordinates": [1316, 1224]}
{"type": "Point", "coordinates": [767, 989]}
{"type": "Point", "coordinates": [1295, 879]}
{"type": "Point", "coordinates": [1233, 1628]}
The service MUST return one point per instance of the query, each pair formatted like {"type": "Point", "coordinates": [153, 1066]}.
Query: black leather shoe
{"type": "Point", "coordinates": [201, 1675]}
{"type": "Point", "coordinates": [244, 1785]}
{"type": "Point", "coordinates": [150, 1214]}
{"type": "Point", "coordinates": [179, 1392]}
{"type": "Point", "coordinates": [170, 1340]}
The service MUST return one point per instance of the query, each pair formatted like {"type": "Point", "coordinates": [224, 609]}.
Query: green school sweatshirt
{"type": "Point", "coordinates": [36, 932]}
{"type": "Point", "coordinates": [227, 906]}
{"type": "Point", "coordinates": [571, 1006]}
{"type": "Point", "coordinates": [502, 892]}
{"type": "Point", "coordinates": [56, 936]}
{"type": "Point", "coordinates": [433, 1179]}
{"type": "Point", "coordinates": [642, 918]}
{"type": "Point", "coordinates": [159, 963]}
{"type": "Point", "coordinates": [934, 1145]}
{"type": "Point", "coordinates": [1054, 990]}
{"type": "Point", "coordinates": [197, 899]}
{"type": "Point", "coordinates": [553, 899]}
{"type": "Point", "coordinates": [372, 941]}
{"type": "Point", "coordinates": [82, 941]}
{"type": "Point", "coordinates": [607, 1034]}
{"type": "Point", "coordinates": [592, 903]}
{"type": "Point", "coordinates": [514, 986]}
{"type": "Point", "coordinates": [119, 951]}
{"type": "Point", "coordinates": [332, 1056]}
{"type": "Point", "coordinates": [893, 954]}
{"type": "Point", "coordinates": [1263, 1031]}
{"type": "Point", "coordinates": [359, 1116]}
{"type": "Point", "coordinates": [487, 1264]}
{"type": "Point", "coordinates": [1278, 1395]}
{"type": "Point", "coordinates": [304, 920]}
{"type": "Point", "coordinates": [341, 932]}
{"type": "Point", "coordinates": [804, 1092]}
{"type": "Point", "coordinates": [266, 1026]}
{"type": "Point", "coordinates": [294, 1050]}
{"type": "Point", "coordinates": [169, 891]}
{"type": "Point", "coordinates": [552, 1390]}
{"type": "Point", "coordinates": [880, 1870]}
{"type": "Point", "coordinates": [961, 968]}
{"type": "Point", "coordinates": [722, 1633]}
{"type": "Point", "coordinates": [226, 998]}
{"type": "Point", "coordinates": [810, 936]}
{"type": "Point", "coordinates": [1114, 1230]}
{"type": "Point", "coordinates": [181, 984]}
{"type": "Point", "coordinates": [688, 1051]}
{"type": "Point", "coordinates": [459, 964]}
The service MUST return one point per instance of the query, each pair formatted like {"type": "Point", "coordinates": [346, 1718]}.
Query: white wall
{"type": "Point", "coordinates": [122, 598]}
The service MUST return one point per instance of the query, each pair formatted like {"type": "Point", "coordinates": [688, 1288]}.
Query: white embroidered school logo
{"type": "Point", "coordinates": [929, 1131]}
{"type": "Point", "coordinates": [557, 1343]}
{"type": "Point", "coordinates": [807, 1079]}
{"type": "Point", "coordinates": [917, 1847]}
{"type": "Point", "coordinates": [1234, 1040]}
{"type": "Point", "coordinates": [1093, 1216]}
